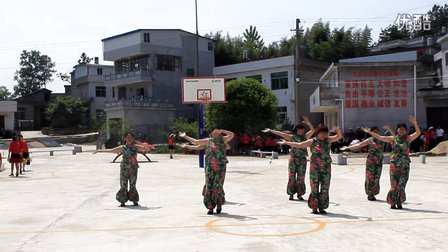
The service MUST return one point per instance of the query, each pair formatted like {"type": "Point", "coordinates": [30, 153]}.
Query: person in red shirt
{"type": "Point", "coordinates": [14, 156]}
{"type": "Point", "coordinates": [259, 143]}
{"type": "Point", "coordinates": [171, 145]}
{"type": "Point", "coordinates": [25, 153]}
{"type": "Point", "coordinates": [246, 143]}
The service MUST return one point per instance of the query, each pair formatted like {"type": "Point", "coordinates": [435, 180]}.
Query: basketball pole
{"type": "Point", "coordinates": [201, 106]}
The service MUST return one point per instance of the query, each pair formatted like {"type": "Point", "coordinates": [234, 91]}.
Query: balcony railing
{"type": "Point", "coordinates": [139, 103]}
{"type": "Point", "coordinates": [130, 74]}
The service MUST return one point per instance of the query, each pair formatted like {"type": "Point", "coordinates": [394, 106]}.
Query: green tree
{"type": "Point", "coordinates": [36, 70]}
{"type": "Point", "coordinates": [253, 43]}
{"type": "Point", "coordinates": [183, 125]}
{"type": "Point", "coordinates": [64, 77]}
{"type": "Point", "coordinates": [66, 112]}
{"type": "Point", "coordinates": [4, 92]}
{"type": "Point", "coordinates": [250, 107]}
{"type": "Point", "coordinates": [84, 58]}
{"type": "Point", "coordinates": [392, 32]}
{"type": "Point", "coordinates": [439, 18]}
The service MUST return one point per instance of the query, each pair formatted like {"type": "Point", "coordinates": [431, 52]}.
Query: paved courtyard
{"type": "Point", "coordinates": [67, 203]}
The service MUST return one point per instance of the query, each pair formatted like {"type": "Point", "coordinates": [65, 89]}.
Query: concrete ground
{"type": "Point", "coordinates": [67, 203]}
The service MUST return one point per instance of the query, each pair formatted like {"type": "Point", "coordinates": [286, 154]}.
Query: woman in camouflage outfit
{"type": "Point", "coordinates": [128, 169]}
{"type": "Point", "coordinates": [215, 166]}
{"type": "Point", "coordinates": [297, 159]}
{"type": "Point", "coordinates": [399, 161]}
{"type": "Point", "coordinates": [320, 166]}
{"type": "Point", "coordinates": [374, 162]}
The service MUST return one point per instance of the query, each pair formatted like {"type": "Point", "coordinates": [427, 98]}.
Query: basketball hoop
{"type": "Point", "coordinates": [203, 90]}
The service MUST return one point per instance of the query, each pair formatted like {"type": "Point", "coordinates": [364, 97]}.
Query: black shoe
{"type": "Point", "coordinates": [136, 204]}
{"type": "Point", "coordinates": [393, 206]}
{"type": "Point", "coordinates": [322, 211]}
{"type": "Point", "coordinates": [122, 205]}
{"type": "Point", "coordinates": [171, 157]}
{"type": "Point", "coordinates": [301, 198]}
{"type": "Point", "coordinates": [218, 209]}
{"type": "Point", "coordinates": [17, 174]}
{"type": "Point", "coordinates": [291, 197]}
{"type": "Point", "coordinates": [210, 212]}
{"type": "Point", "coordinates": [371, 198]}
{"type": "Point", "coordinates": [20, 172]}
{"type": "Point", "coordinates": [315, 211]}
{"type": "Point", "coordinates": [399, 206]}
{"type": "Point", "coordinates": [11, 175]}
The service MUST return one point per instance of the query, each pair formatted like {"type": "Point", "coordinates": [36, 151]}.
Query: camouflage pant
{"type": "Point", "coordinates": [373, 175]}
{"type": "Point", "coordinates": [399, 175]}
{"type": "Point", "coordinates": [128, 175]}
{"type": "Point", "coordinates": [213, 190]}
{"type": "Point", "coordinates": [296, 174]}
{"type": "Point", "coordinates": [320, 176]}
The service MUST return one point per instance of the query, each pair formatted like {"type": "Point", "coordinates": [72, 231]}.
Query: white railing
{"type": "Point", "coordinates": [144, 102]}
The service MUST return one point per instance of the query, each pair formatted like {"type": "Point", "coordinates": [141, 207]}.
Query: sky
{"type": "Point", "coordinates": [65, 29]}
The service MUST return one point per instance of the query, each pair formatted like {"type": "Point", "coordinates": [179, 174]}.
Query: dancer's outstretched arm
{"type": "Point", "coordinates": [286, 136]}
{"type": "Point", "coordinates": [417, 132]}
{"type": "Point", "coordinates": [116, 150]}
{"type": "Point", "coordinates": [336, 137]}
{"type": "Point", "coordinates": [386, 139]}
{"type": "Point", "coordinates": [193, 140]}
{"type": "Point", "coordinates": [307, 121]}
{"type": "Point", "coordinates": [303, 145]}
{"type": "Point", "coordinates": [358, 145]}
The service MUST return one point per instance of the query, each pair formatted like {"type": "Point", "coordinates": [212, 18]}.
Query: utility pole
{"type": "Point", "coordinates": [201, 106]}
{"type": "Point", "coordinates": [297, 70]}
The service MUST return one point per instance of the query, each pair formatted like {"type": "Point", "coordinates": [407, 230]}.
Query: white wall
{"type": "Point", "coordinates": [123, 41]}
{"type": "Point", "coordinates": [7, 109]}
{"type": "Point", "coordinates": [285, 96]}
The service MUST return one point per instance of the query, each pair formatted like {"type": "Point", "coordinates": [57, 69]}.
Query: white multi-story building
{"type": "Point", "coordinates": [88, 85]}
{"type": "Point", "coordinates": [277, 74]}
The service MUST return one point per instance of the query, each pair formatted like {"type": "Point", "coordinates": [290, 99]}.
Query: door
{"type": "Point", "coordinates": [121, 93]}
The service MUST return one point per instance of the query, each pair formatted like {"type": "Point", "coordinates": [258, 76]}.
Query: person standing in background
{"type": "Point", "coordinates": [14, 156]}
{"type": "Point", "coordinates": [440, 133]}
{"type": "Point", "coordinates": [25, 153]}
{"type": "Point", "coordinates": [171, 139]}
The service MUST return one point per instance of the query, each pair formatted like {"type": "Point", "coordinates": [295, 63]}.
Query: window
{"type": "Point", "coordinates": [121, 66]}
{"type": "Point", "coordinates": [20, 114]}
{"type": "Point", "coordinates": [256, 77]}
{"type": "Point", "coordinates": [100, 91]}
{"type": "Point", "coordinates": [169, 63]}
{"type": "Point", "coordinates": [210, 46]}
{"type": "Point", "coordinates": [190, 72]}
{"type": "Point", "coordinates": [113, 92]}
{"type": "Point", "coordinates": [279, 80]}
{"type": "Point", "coordinates": [99, 71]}
{"type": "Point", "coordinates": [146, 37]}
{"type": "Point", "coordinates": [140, 92]}
{"type": "Point", "coordinates": [139, 63]}
{"type": "Point", "coordinates": [282, 114]}
{"type": "Point", "coordinates": [230, 79]}
{"type": "Point", "coordinates": [446, 59]}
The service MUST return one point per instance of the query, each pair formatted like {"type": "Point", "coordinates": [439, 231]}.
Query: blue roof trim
{"type": "Point", "coordinates": [139, 30]}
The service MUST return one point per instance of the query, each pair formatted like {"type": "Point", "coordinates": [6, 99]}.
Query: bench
{"type": "Point", "coordinates": [263, 154]}
{"type": "Point", "coordinates": [143, 153]}
{"type": "Point", "coordinates": [76, 149]}
{"type": "Point", "coordinates": [338, 159]}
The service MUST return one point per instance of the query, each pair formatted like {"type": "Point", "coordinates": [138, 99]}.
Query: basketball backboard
{"type": "Point", "coordinates": [203, 89]}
